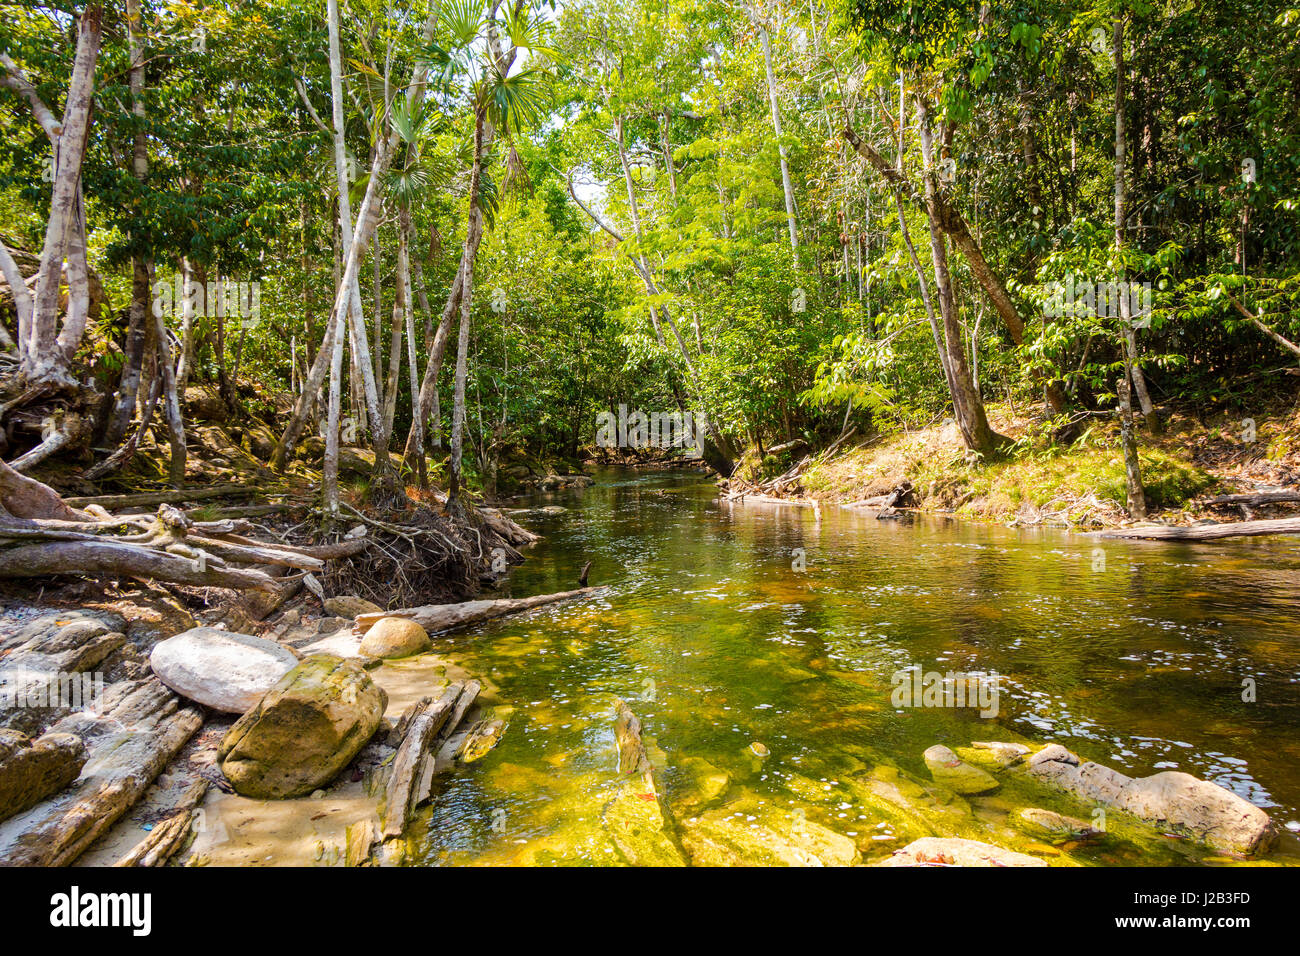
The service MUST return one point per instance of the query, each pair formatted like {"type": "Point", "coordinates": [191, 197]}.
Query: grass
{"type": "Point", "coordinates": [1080, 484]}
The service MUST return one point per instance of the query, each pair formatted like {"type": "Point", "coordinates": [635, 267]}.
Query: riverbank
{"type": "Point", "coordinates": [1080, 486]}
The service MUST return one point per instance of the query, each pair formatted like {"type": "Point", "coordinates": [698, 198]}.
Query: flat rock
{"type": "Point", "coordinates": [751, 833]}
{"type": "Point", "coordinates": [224, 670]}
{"type": "Point", "coordinates": [1050, 826]}
{"type": "Point", "coordinates": [954, 851]}
{"type": "Point", "coordinates": [1001, 753]}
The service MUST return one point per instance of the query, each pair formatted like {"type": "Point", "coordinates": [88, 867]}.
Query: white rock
{"type": "Point", "coordinates": [224, 670]}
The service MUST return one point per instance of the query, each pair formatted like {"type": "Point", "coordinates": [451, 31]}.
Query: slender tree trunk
{"type": "Point", "coordinates": [456, 479]}
{"type": "Point", "coordinates": [400, 308]}
{"type": "Point", "coordinates": [186, 362]}
{"type": "Point", "coordinates": [791, 221]}
{"type": "Point", "coordinates": [128, 385]}
{"type": "Point", "coordinates": [967, 404]}
{"type": "Point", "coordinates": [1132, 467]}
{"type": "Point", "coordinates": [417, 425]}
{"type": "Point", "coordinates": [1128, 335]}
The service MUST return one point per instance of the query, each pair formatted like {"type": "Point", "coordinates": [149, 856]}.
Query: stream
{"type": "Point", "coordinates": [1133, 655]}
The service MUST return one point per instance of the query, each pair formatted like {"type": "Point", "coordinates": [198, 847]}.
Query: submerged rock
{"type": "Point", "coordinates": [306, 729]}
{"type": "Point", "coordinates": [395, 637]}
{"type": "Point", "coordinates": [1052, 827]}
{"type": "Point", "coordinates": [31, 770]}
{"type": "Point", "coordinates": [952, 851]}
{"type": "Point", "coordinates": [752, 833]}
{"type": "Point", "coordinates": [224, 670]}
{"type": "Point", "coordinates": [707, 782]}
{"type": "Point", "coordinates": [636, 824]}
{"type": "Point", "coordinates": [1171, 800]}
{"type": "Point", "coordinates": [908, 809]}
{"type": "Point", "coordinates": [954, 773]}
{"type": "Point", "coordinates": [994, 754]}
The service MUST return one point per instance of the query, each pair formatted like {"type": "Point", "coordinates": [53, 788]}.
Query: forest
{"type": "Point", "coordinates": [339, 325]}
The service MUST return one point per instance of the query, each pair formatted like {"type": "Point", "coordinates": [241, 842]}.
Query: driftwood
{"type": "Point", "coordinates": [137, 734]}
{"type": "Point", "coordinates": [436, 618]}
{"type": "Point", "coordinates": [24, 497]}
{"type": "Point", "coordinates": [422, 724]}
{"type": "Point", "coordinates": [631, 751]}
{"type": "Point", "coordinates": [169, 834]}
{"type": "Point", "coordinates": [150, 498]}
{"type": "Point", "coordinates": [1206, 532]}
{"type": "Point", "coordinates": [165, 547]}
{"type": "Point", "coordinates": [1252, 499]}
{"type": "Point", "coordinates": [107, 557]}
{"type": "Point", "coordinates": [746, 498]}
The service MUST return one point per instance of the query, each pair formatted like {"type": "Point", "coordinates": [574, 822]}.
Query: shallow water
{"type": "Point", "coordinates": [1129, 653]}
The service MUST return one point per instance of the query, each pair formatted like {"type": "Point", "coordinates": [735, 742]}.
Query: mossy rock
{"type": "Point", "coordinates": [636, 825]}
{"type": "Point", "coordinates": [750, 832]}
{"type": "Point", "coordinates": [306, 729]}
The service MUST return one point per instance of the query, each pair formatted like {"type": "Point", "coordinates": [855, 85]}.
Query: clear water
{"type": "Point", "coordinates": [1133, 655]}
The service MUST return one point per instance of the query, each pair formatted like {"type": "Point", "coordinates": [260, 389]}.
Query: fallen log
{"type": "Point", "coordinates": [130, 742]}
{"type": "Point", "coordinates": [1208, 532]}
{"type": "Point", "coordinates": [631, 751]}
{"type": "Point", "coordinates": [437, 618]}
{"type": "Point", "coordinates": [170, 833]}
{"type": "Point", "coordinates": [426, 719]}
{"type": "Point", "coordinates": [1251, 499]}
{"type": "Point", "coordinates": [110, 557]}
{"type": "Point", "coordinates": [150, 498]}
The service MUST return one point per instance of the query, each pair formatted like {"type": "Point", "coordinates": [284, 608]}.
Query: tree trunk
{"type": "Point", "coordinates": [968, 407]}
{"type": "Point", "coordinates": [776, 126]}
{"type": "Point", "coordinates": [42, 362]}
{"type": "Point", "coordinates": [1132, 467]}
{"type": "Point", "coordinates": [417, 426]}
{"type": "Point", "coordinates": [456, 479]}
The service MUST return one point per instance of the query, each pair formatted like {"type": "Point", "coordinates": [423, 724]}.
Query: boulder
{"type": "Point", "coordinates": [306, 729]}
{"type": "Point", "coordinates": [204, 404]}
{"type": "Point", "coordinates": [955, 774]}
{"type": "Point", "coordinates": [953, 851]}
{"type": "Point", "coordinates": [395, 637]}
{"type": "Point", "coordinates": [31, 770]}
{"type": "Point", "coordinates": [1173, 801]}
{"type": "Point", "coordinates": [224, 670]}
{"type": "Point", "coordinates": [349, 605]}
